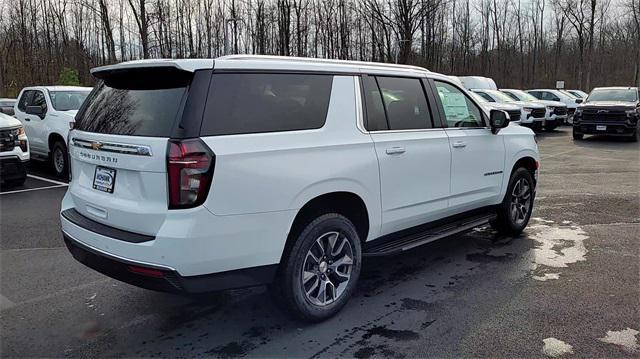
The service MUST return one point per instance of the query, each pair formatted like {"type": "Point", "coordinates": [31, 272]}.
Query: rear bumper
{"type": "Point", "coordinates": [12, 168]}
{"type": "Point", "coordinates": [193, 246]}
{"type": "Point", "coordinates": [165, 279]}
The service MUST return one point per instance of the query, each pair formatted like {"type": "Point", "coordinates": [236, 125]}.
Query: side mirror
{"type": "Point", "coordinates": [498, 119]}
{"type": "Point", "coordinates": [35, 110]}
{"type": "Point", "coordinates": [579, 100]}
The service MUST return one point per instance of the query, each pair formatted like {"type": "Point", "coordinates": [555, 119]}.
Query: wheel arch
{"type": "Point", "coordinates": [527, 162]}
{"type": "Point", "coordinates": [53, 138]}
{"type": "Point", "coordinates": [346, 203]}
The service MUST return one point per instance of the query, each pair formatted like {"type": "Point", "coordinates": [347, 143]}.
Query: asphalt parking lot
{"type": "Point", "coordinates": [569, 287]}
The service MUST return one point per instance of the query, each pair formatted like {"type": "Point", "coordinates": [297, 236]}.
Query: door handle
{"type": "Point", "coordinates": [27, 119]}
{"type": "Point", "coordinates": [459, 144]}
{"type": "Point", "coordinates": [395, 150]}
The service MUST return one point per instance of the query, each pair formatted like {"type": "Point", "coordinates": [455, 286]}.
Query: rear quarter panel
{"type": "Point", "coordinates": [280, 171]}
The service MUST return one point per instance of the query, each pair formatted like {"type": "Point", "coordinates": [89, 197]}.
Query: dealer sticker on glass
{"type": "Point", "coordinates": [104, 179]}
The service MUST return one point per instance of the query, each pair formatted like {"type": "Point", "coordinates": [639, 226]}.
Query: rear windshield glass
{"type": "Point", "coordinates": [624, 95]}
{"type": "Point", "coordinates": [254, 103]}
{"type": "Point", "coordinates": [134, 104]}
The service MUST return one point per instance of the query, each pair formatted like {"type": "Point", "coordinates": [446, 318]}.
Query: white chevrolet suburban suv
{"type": "Point", "coordinates": [47, 113]}
{"type": "Point", "coordinates": [202, 175]}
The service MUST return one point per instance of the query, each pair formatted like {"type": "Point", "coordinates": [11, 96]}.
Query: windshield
{"type": "Point", "coordinates": [499, 96]}
{"type": "Point", "coordinates": [568, 93]}
{"type": "Point", "coordinates": [523, 96]}
{"type": "Point", "coordinates": [577, 94]}
{"type": "Point", "coordinates": [67, 100]}
{"type": "Point", "coordinates": [623, 95]}
{"type": "Point", "coordinates": [478, 97]}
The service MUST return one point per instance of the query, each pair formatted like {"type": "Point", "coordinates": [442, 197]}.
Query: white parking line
{"type": "Point", "coordinates": [57, 184]}
{"type": "Point", "coordinates": [46, 179]}
{"type": "Point", "coordinates": [33, 189]}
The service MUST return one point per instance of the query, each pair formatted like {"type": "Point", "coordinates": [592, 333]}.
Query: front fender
{"type": "Point", "coordinates": [518, 147]}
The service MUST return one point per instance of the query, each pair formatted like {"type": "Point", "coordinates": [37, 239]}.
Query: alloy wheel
{"type": "Point", "coordinates": [520, 201]}
{"type": "Point", "coordinates": [327, 267]}
{"type": "Point", "coordinates": [58, 160]}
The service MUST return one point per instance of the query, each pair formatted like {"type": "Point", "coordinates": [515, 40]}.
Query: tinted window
{"type": "Point", "coordinates": [253, 103]}
{"type": "Point", "coordinates": [121, 110]}
{"type": "Point", "coordinates": [24, 99]}
{"type": "Point", "coordinates": [376, 118]}
{"type": "Point", "coordinates": [623, 95]}
{"type": "Point", "coordinates": [405, 103]}
{"type": "Point", "coordinates": [459, 110]}
{"type": "Point", "coordinates": [38, 100]}
{"type": "Point", "coordinates": [511, 95]}
{"type": "Point", "coordinates": [535, 94]}
{"type": "Point", "coordinates": [549, 96]}
{"type": "Point", "coordinates": [486, 96]}
{"type": "Point", "coordinates": [67, 100]}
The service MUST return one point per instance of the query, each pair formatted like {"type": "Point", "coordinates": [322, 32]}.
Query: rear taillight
{"type": "Point", "coordinates": [190, 166]}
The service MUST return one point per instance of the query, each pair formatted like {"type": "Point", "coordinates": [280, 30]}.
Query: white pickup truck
{"type": "Point", "coordinates": [47, 113]}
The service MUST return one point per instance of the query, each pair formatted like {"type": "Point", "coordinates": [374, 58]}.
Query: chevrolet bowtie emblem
{"type": "Point", "coordinates": [96, 145]}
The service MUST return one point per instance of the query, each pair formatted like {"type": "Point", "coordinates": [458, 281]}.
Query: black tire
{"type": "Point", "coordinates": [550, 127]}
{"type": "Point", "coordinates": [59, 153]}
{"type": "Point", "coordinates": [288, 287]}
{"type": "Point", "coordinates": [508, 222]}
{"type": "Point", "coordinates": [636, 134]}
{"type": "Point", "coordinates": [577, 135]}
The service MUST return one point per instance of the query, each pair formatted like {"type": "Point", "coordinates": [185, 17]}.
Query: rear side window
{"type": "Point", "coordinates": [253, 103]}
{"type": "Point", "coordinates": [405, 103]}
{"type": "Point", "coordinates": [136, 103]}
{"type": "Point", "coordinates": [376, 118]}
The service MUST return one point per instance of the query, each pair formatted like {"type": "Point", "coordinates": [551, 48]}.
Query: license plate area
{"type": "Point", "coordinates": [601, 128]}
{"type": "Point", "coordinates": [104, 179]}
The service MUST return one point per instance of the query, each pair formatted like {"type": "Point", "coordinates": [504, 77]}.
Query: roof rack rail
{"type": "Point", "coordinates": [327, 61]}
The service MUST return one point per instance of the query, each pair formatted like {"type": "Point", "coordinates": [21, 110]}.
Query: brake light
{"type": "Point", "coordinates": [190, 166]}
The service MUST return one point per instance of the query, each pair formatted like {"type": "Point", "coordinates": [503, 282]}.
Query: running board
{"type": "Point", "coordinates": [401, 244]}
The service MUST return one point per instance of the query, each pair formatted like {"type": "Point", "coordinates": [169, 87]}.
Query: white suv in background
{"type": "Point", "coordinates": [514, 111]}
{"type": "Point", "coordinates": [532, 114]}
{"type": "Point", "coordinates": [560, 96]}
{"type": "Point", "coordinates": [202, 175]}
{"type": "Point", "coordinates": [14, 151]}
{"type": "Point", "coordinates": [556, 111]}
{"type": "Point", "coordinates": [47, 113]}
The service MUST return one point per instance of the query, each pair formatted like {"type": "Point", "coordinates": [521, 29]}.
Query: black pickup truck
{"type": "Point", "coordinates": [611, 111]}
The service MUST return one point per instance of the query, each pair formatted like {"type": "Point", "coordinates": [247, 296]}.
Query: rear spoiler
{"type": "Point", "coordinates": [187, 65]}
